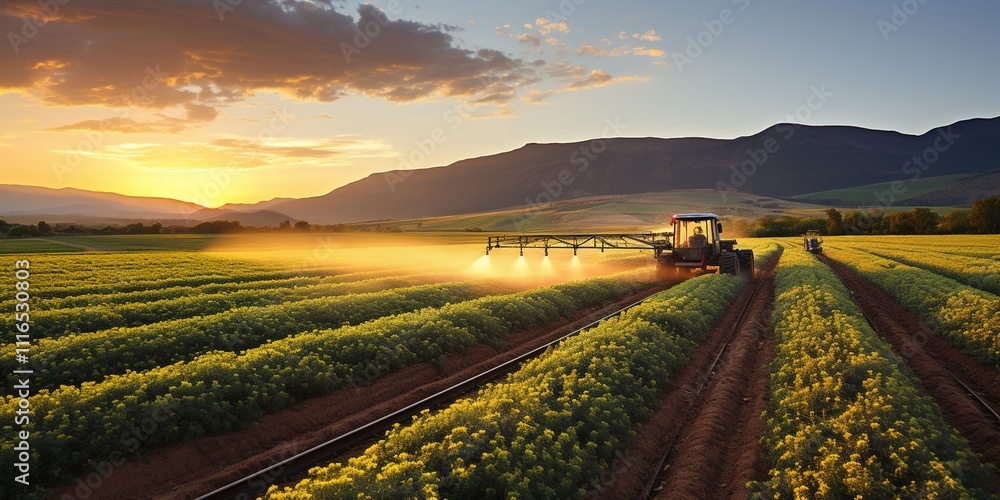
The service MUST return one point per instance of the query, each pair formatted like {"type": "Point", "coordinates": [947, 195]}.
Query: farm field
{"type": "Point", "coordinates": [174, 366]}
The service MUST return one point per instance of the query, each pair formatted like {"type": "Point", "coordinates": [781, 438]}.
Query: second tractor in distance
{"type": "Point", "coordinates": [812, 241]}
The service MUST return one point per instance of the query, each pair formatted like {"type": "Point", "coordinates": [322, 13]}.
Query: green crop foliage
{"type": "Point", "coordinates": [968, 317]}
{"type": "Point", "coordinates": [548, 430]}
{"type": "Point", "coordinates": [74, 426]}
{"type": "Point", "coordinates": [847, 419]}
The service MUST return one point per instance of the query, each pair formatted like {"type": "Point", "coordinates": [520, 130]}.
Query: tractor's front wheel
{"type": "Point", "coordinates": [729, 263]}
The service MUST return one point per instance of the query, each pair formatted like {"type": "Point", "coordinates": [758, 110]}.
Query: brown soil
{"type": "Point", "coordinates": [711, 437]}
{"type": "Point", "coordinates": [193, 468]}
{"type": "Point", "coordinates": [933, 359]}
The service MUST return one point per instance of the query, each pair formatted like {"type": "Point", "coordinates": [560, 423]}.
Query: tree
{"type": "Point", "coordinates": [216, 227]}
{"type": "Point", "coordinates": [954, 223]}
{"type": "Point", "coordinates": [985, 216]}
{"type": "Point", "coordinates": [285, 225]}
{"type": "Point", "coordinates": [44, 228]}
{"type": "Point", "coordinates": [23, 230]}
{"type": "Point", "coordinates": [301, 226]}
{"type": "Point", "coordinates": [924, 220]}
{"type": "Point", "coordinates": [834, 222]}
{"type": "Point", "coordinates": [900, 223]}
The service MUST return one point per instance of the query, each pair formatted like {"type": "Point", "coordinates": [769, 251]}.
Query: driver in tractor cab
{"type": "Point", "coordinates": [697, 240]}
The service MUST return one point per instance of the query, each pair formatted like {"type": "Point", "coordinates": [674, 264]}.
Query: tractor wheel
{"type": "Point", "coordinates": [746, 263]}
{"type": "Point", "coordinates": [729, 263]}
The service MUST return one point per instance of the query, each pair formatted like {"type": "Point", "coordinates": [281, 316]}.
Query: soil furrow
{"type": "Point", "coordinates": [712, 437]}
{"type": "Point", "coordinates": [934, 359]}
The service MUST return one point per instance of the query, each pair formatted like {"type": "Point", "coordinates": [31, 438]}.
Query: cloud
{"type": "Point", "coordinates": [242, 153]}
{"type": "Point", "coordinates": [648, 36]}
{"type": "Point", "coordinates": [592, 50]}
{"type": "Point", "coordinates": [596, 78]}
{"type": "Point", "coordinates": [122, 125]}
{"type": "Point", "coordinates": [161, 124]}
{"type": "Point", "coordinates": [643, 51]}
{"type": "Point", "coordinates": [178, 54]}
{"type": "Point", "coordinates": [529, 38]}
{"type": "Point", "coordinates": [549, 27]}
{"type": "Point", "coordinates": [574, 78]}
{"type": "Point", "coordinates": [535, 96]}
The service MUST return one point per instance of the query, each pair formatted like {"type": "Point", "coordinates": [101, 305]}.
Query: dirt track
{"type": "Point", "coordinates": [712, 436]}
{"type": "Point", "coordinates": [190, 469]}
{"type": "Point", "coordinates": [933, 359]}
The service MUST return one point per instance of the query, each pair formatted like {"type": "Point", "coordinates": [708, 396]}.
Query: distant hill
{"type": "Point", "coordinates": [254, 218]}
{"type": "Point", "coordinates": [28, 200]}
{"type": "Point", "coordinates": [959, 190]}
{"type": "Point", "coordinates": [782, 161]}
{"type": "Point", "coordinates": [29, 204]}
{"type": "Point", "coordinates": [614, 213]}
{"type": "Point", "coordinates": [802, 159]}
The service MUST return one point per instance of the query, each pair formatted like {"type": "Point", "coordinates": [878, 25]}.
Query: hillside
{"type": "Point", "coordinates": [801, 159]}
{"type": "Point", "coordinates": [29, 204]}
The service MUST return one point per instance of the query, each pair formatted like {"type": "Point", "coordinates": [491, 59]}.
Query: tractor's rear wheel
{"type": "Point", "coordinates": [729, 263]}
{"type": "Point", "coordinates": [746, 263]}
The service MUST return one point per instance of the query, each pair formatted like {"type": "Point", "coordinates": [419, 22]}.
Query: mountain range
{"type": "Point", "coordinates": [782, 161]}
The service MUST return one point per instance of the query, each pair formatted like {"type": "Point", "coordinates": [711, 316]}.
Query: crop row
{"type": "Point", "coordinates": [966, 316]}
{"type": "Point", "coordinates": [55, 323]}
{"type": "Point", "coordinates": [977, 272]}
{"type": "Point", "coordinates": [847, 419]}
{"type": "Point", "coordinates": [79, 358]}
{"type": "Point", "coordinates": [550, 429]}
{"type": "Point", "coordinates": [52, 281]}
{"type": "Point", "coordinates": [220, 391]}
{"type": "Point", "coordinates": [172, 292]}
{"type": "Point", "coordinates": [954, 243]}
{"type": "Point", "coordinates": [95, 268]}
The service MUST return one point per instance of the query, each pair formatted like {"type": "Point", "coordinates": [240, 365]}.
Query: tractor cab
{"type": "Point", "coordinates": [697, 244]}
{"type": "Point", "coordinates": [695, 236]}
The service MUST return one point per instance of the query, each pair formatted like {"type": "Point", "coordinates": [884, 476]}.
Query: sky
{"type": "Point", "coordinates": [239, 101]}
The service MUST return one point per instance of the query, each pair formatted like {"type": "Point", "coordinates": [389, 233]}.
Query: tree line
{"type": "Point", "coordinates": [982, 218]}
{"type": "Point", "coordinates": [42, 228]}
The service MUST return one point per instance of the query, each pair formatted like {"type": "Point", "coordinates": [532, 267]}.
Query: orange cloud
{"type": "Point", "coordinates": [160, 54]}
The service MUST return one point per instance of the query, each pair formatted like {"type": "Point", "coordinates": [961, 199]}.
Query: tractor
{"type": "Point", "coordinates": [695, 243]}
{"type": "Point", "coordinates": [812, 241]}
